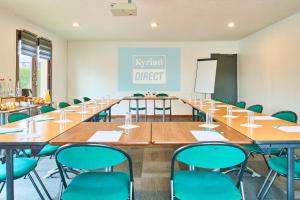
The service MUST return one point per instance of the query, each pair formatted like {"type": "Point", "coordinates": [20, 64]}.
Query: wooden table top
{"type": "Point", "coordinates": [266, 133]}
{"type": "Point", "coordinates": [48, 130]}
{"type": "Point", "coordinates": [81, 134]}
{"type": "Point", "coordinates": [150, 98]}
{"type": "Point", "coordinates": [179, 133]}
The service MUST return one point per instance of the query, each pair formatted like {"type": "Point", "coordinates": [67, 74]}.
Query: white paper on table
{"type": "Point", "coordinates": [207, 126]}
{"type": "Point", "coordinates": [10, 130]}
{"type": "Point", "coordinates": [230, 116]}
{"type": "Point", "coordinates": [239, 110]}
{"type": "Point", "coordinates": [82, 112]}
{"type": "Point", "coordinates": [128, 126]}
{"type": "Point", "coordinates": [74, 106]}
{"type": "Point", "coordinates": [105, 136]}
{"type": "Point", "coordinates": [251, 125]}
{"type": "Point", "coordinates": [213, 109]}
{"type": "Point", "coordinates": [206, 136]}
{"type": "Point", "coordinates": [42, 119]}
{"type": "Point", "coordinates": [290, 129]}
{"type": "Point", "coordinates": [222, 106]}
{"type": "Point", "coordinates": [63, 121]}
{"type": "Point", "coordinates": [69, 110]}
{"type": "Point", "coordinates": [265, 118]}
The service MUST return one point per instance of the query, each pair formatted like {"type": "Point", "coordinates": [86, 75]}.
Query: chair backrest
{"type": "Point", "coordinates": [211, 155]}
{"type": "Point", "coordinates": [85, 99]}
{"type": "Point", "coordinates": [45, 109]}
{"type": "Point", "coordinates": [256, 108]}
{"type": "Point", "coordinates": [286, 115]}
{"type": "Point", "coordinates": [17, 117]}
{"type": "Point", "coordinates": [226, 101]}
{"type": "Point", "coordinates": [76, 101]}
{"type": "Point", "coordinates": [91, 157]}
{"type": "Point", "coordinates": [138, 95]}
{"type": "Point", "coordinates": [218, 99]}
{"type": "Point", "coordinates": [162, 95]}
{"type": "Point", "coordinates": [241, 104]}
{"type": "Point", "coordinates": [63, 105]}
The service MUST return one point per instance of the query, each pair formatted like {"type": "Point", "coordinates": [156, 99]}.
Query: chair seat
{"type": "Point", "coordinates": [159, 108]}
{"type": "Point", "coordinates": [201, 114]}
{"type": "Point", "coordinates": [103, 114]}
{"type": "Point", "coordinates": [98, 185]}
{"type": "Point", "coordinates": [140, 108]}
{"type": "Point", "coordinates": [47, 150]}
{"type": "Point", "coordinates": [192, 185]}
{"type": "Point", "coordinates": [22, 166]}
{"type": "Point", "coordinates": [256, 149]}
{"type": "Point", "coordinates": [279, 164]}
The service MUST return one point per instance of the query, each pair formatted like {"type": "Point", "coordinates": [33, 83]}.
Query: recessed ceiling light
{"type": "Point", "coordinates": [230, 24]}
{"type": "Point", "coordinates": [154, 25]}
{"type": "Point", "coordinates": [76, 24]}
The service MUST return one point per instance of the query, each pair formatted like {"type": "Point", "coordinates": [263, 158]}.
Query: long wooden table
{"type": "Point", "coordinates": [150, 97]}
{"type": "Point", "coordinates": [47, 130]}
{"type": "Point", "coordinates": [267, 136]}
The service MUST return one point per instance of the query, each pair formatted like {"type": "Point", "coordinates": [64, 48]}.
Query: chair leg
{"type": "Point", "coordinates": [41, 183]}
{"type": "Point", "coordinates": [60, 190]}
{"type": "Point", "coordinates": [269, 186]}
{"type": "Point", "coordinates": [242, 190]}
{"type": "Point", "coordinates": [2, 186]}
{"type": "Point", "coordinates": [172, 190]}
{"type": "Point", "coordinates": [35, 186]}
{"type": "Point", "coordinates": [264, 184]}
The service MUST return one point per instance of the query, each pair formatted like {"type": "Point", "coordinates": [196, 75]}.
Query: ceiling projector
{"type": "Point", "coordinates": [123, 9]}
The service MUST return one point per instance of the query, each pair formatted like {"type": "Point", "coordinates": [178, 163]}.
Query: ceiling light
{"type": "Point", "coordinates": [76, 24]}
{"type": "Point", "coordinates": [154, 24]}
{"type": "Point", "coordinates": [230, 25]}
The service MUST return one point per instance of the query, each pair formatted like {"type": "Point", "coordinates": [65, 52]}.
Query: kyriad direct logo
{"type": "Point", "coordinates": [149, 69]}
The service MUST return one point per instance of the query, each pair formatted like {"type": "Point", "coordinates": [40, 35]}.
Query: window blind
{"type": "Point", "coordinates": [28, 43]}
{"type": "Point", "coordinates": [45, 48]}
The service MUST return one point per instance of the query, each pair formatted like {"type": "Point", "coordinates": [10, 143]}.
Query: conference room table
{"type": "Point", "coordinates": [48, 126]}
{"type": "Point", "coordinates": [150, 97]}
{"type": "Point", "coordinates": [266, 134]}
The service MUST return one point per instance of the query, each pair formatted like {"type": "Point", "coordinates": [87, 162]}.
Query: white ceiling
{"type": "Point", "coordinates": [179, 20]}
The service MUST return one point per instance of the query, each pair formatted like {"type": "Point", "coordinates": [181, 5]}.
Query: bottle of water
{"type": "Point", "coordinates": [9, 88]}
{"type": "Point", "coordinates": [18, 89]}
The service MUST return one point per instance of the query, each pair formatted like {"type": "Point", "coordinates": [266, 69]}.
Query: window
{"type": "Point", "coordinates": [34, 57]}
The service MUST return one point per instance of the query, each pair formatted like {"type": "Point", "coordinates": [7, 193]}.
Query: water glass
{"type": "Point", "coordinates": [30, 123]}
{"type": "Point", "coordinates": [229, 110]}
{"type": "Point", "coordinates": [209, 119]}
{"type": "Point", "coordinates": [62, 116]}
{"type": "Point", "coordinates": [83, 107]}
{"type": "Point", "coordinates": [250, 117]}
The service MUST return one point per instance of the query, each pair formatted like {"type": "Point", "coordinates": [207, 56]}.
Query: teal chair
{"type": "Point", "coordinates": [85, 99]}
{"type": "Point", "coordinates": [63, 105]}
{"type": "Point", "coordinates": [103, 116]}
{"type": "Point", "coordinates": [256, 108]}
{"type": "Point", "coordinates": [241, 104]}
{"type": "Point", "coordinates": [46, 109]}
{"type": "Point", "coordinates": [227, 101]}
{"type": "Point", "coordinates": [278, 164]}
{"type": "Point", "coordinates": [76, 101]}
{"type": "Point", "coordinates": [92, 183]}
{"type": "Point", "coordinates": [141, 107]}
{"type": "Point", "coordinates": [194, 184]}
{"type": "Point", "coordinates": [167, 107]}
{"type": "Point", "coordinates": [217, 99]}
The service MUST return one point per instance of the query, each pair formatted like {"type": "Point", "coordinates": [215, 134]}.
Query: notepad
{"type": "Point", "coordinates": [10, 130]}
{"type": "Point", "coordinates": [230, 116]}
{"type": "Point", "coordinates": [105, 136]}
{"type": "Point", "coordinates": [128, 126]}
{"type": "Point", "coordinates": [251, 125]}
{"type": "Point", "coordinates": [69, 110]}
{"type": "Point", "coordinates": [63, 121]}
{"type": "Point", "coordinates": [206, 136]}
{"type": "Point", "coordinates": [74, 106]}
{"type": "Point", "coordinates": [213, 109]}
{"type": "Point", "coordinates": [222, 106]}
{"type": "Point", "coordinates": [208, 126]}
{"type": "Point", "coordinates": [290, 129]}
{"type": "Point", "coordinates": [42, 119]}
{"type": "Point", "coordinates": [265, 118]}
{"type": "Point", "coordinates": [239, 110]}
{"type": "Point", "coordinates": [82, 112]}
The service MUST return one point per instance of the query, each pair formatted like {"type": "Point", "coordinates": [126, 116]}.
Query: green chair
{"type": "Point", "coordinates": [207, 184]}
{"type": "Point", "coordinates": [23, 167]}
{"type": "Point", "coordinates": [241, 104]}
{"type": "Point", "coordinates": [63, 105]}
{"type": "Point", "coordinates": [17, 117]}
{"type": "Point", "coordinates": [167, 108]}
{"type": "Point", "coordinates": [85, 99]}
{"type": "Point", "coordinates": [140, 108]}
{"type": "Point", "coordinates": [46, 109]}
{"type": "Point", "coordinates": [217, 99]}
{"type": "Point", "coordinates": [256, 108]}
{"type": "Point", "coordinates": [76, 101]}
{"type": "Point", "coordinates": [278, 165]}
{"type": "Point", "coordinates": [227, 101]}
{"type": "Point", "coordinates": [93, 183]}
{"type": "Point", "coordinates": [103, 116]}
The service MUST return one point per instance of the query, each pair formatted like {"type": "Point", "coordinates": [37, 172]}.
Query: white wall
{"type": "Point", "coordinates": [269, 66]}
{"type": "Point", "coordinates": [9, 23]}
{"type": "Point", "coordinates": [93, 65]}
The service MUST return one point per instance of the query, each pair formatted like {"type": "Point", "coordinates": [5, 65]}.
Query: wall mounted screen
{"type": "Point", "coordinates": [205, 76]}
{"type": "Point", "coordinates": [149, 69]}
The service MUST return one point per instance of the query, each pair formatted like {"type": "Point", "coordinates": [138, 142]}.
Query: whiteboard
{"type": "Point", "coordinates": [205, 76]}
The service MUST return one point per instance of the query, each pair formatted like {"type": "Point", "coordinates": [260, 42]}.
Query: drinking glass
{"type": "Point", "coordinates": [229, 110]}
{"type": "Point", "coordinates": [128, 121]}
{"type": "Point", "coordinates": [250, 117]}
{"type": "Point", "coordinates": [62, 116]}
{"type": "Point", "coordinates": [208, 119]}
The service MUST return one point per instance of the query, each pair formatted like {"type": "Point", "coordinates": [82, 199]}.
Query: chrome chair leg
{"type": "Point", "coordinates": [264, 184]}
{"type": "Point", "coordinates": [172, 190]}
{"type": "Point", "coordinates": [35, 186]}
{"type": "Point", "coordinates": [269, 186]}
{"type": "Point", "coordinates": [42, 184]}
{"type": "Point", "coordinates": [242, 190]}
{"type": "Point", "coordinates": [2, 186]}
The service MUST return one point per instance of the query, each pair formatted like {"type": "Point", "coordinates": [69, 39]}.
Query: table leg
{"type": "Point", "coordinates": [3, 118]}
{"type": "Point", "coordinates": [9, 174]}
{"type": "Point", "coordinates": [193, 114]}
{"type": "Point", "coordinates": [164, 110]}
{"type": "Point", "coordinates": [137, 111]}
{"type": "Point", "coordinates": [290, 175]}
{"type": "Point", "coordinates": [109, 114]}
